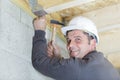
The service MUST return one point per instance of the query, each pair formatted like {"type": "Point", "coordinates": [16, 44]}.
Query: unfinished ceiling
{"type": "Point", "coordinates": [68, 8]}
{"type": "Point", "coordinates": [108, 24]}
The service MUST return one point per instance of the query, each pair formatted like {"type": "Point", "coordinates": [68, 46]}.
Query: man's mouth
{"type": "Point", "coordinates": [73, 53]}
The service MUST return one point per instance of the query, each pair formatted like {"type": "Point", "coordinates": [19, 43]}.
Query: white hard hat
{"type": "Point", "coordinates": [84, 24]}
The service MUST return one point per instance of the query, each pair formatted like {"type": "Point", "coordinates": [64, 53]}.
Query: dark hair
{"type": "Point", "coordinates": [89, 36]}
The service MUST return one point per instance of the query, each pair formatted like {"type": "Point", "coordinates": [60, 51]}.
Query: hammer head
{"type": "Point", "coordinates": [56, 22]}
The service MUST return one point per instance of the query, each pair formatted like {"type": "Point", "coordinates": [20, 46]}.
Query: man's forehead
{"type": "Point", "coordinates": [76, 31]}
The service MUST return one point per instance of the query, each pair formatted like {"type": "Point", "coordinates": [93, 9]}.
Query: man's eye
{"type": "Point", "coordinates": [78, 39]}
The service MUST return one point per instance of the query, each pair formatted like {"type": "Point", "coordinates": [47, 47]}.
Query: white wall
{"type": "Point", "coordinates": [16, 34]}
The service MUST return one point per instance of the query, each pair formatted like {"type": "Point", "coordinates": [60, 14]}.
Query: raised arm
{"type": "Point", "coordinates": [55, 67]}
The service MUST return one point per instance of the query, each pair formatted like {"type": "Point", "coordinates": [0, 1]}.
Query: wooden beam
{"type": "Point", "coordinates": [106, 28]}
{"type": "Point", "coordinates": [67, 5]}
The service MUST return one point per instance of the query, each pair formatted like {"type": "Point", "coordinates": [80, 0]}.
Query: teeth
{"type": "Point", "coordinates": [73, 51]}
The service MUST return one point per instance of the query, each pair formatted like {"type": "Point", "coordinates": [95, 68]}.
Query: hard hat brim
{"type": "Point", "coordinates": [68, 28]}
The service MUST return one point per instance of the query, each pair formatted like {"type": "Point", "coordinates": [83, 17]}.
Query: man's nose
{"type": "Point", "coordinates": [71, 44]}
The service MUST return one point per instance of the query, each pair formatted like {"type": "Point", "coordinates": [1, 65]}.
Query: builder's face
{"type": "Point", "coordinates": [77, 44]}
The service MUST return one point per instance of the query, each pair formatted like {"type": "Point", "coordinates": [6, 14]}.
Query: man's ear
{"type": "Point", "coordinates": [93, 43]}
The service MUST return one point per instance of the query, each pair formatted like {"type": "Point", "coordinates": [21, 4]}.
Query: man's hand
{"type": "Point", "coordinates": [53, 50]}
{"type": "Point", "coordinates": [40, 23]}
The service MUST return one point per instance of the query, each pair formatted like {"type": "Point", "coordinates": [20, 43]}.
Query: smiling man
{"type": "Point", "coordinates": [85, 62]}
{"type": "Point", "coordinates": [79, 43]}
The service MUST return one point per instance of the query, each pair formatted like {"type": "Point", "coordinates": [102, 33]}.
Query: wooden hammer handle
{"type": "Point", "coordinates": [53, 33]}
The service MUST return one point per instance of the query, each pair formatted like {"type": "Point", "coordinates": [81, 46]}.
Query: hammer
{"type": "Point", "coordinates": [55, 23]}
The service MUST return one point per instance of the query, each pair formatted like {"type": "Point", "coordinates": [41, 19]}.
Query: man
{"type": "Point", "coordinates": [85, 63]}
